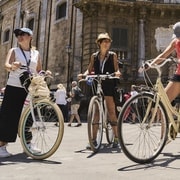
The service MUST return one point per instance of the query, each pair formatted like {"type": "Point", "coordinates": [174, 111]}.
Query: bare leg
{"type": "Point", "coordinates": [172, 90]}
{"type": "Point", "coordinates": [78, 118]}
{"type": "Point", "coordinates": [133, 117]}
{"type": "Point", "coordinates": [112, 113]}
{"type": "Point", "coordinates": [95, 124]}
{"type": "Point", "coordinates": [71, 118]}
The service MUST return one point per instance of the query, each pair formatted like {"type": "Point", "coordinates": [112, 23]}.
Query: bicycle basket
{"type": "Point", "coordinates": [38, 87]}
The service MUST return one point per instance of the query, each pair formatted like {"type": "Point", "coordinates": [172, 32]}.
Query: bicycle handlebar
{"type": "Point", "coordinates": [41, 73]}
{"type": "Point", "coordinates": [148, 65]}
{"type": "Point", "coordinates": [101, 76]}
{"type": "Point", "coordinates": [156, 66]}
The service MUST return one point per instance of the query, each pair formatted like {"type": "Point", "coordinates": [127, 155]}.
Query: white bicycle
{"type": "Point", "coordinates": [37, 127]}
{"type": "Point", "coordinates": [97, 114]}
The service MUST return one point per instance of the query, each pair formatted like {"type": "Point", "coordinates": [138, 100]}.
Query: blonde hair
{"type": "Point", "coordinates": [60, 86]}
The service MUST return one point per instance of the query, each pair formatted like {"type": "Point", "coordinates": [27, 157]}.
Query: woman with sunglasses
{"type": "Point", "coordinates": [15, 94]}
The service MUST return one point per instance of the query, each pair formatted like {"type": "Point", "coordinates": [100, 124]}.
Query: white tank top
{"type": "Point", "coordinates": [13, 79]}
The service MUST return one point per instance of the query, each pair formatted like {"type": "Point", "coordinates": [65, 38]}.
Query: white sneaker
{"type": "Point", "coordinates": [33, 148]}
{"type": "Point", "coordinates": [4, 152]}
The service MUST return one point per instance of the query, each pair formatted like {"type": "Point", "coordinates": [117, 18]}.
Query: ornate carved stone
{"type": "Point", "coordinates": [163, 36]}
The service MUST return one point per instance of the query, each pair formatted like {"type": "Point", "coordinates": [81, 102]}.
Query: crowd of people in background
{"type": "Point", "coordinates": [68, 103]}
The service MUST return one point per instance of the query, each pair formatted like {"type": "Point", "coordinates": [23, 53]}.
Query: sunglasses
{"type": "Point", "coordinates": [21, 34]}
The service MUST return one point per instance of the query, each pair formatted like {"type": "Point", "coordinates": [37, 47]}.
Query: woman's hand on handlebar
{"type": "Point", "coordinates": [48, 72]}
{"type": "Point", "coordinates": [117, 74]}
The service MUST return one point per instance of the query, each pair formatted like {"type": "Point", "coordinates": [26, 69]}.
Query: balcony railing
{"type": "Point", "coordinates": [154, 1]}
{"type": "Point", "coordinates": [157, 1]}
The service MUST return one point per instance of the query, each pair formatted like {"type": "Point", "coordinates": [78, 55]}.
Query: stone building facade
{"type": "Point", "coordinates": [140, 30]}
{"type": "Point", "coordinates": [57, 28]}
{"type": "Point", "coordinates": [65, 32]}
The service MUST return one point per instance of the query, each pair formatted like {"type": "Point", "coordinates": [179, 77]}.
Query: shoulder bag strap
{"type": "Point", "coordinates": [27, 61]}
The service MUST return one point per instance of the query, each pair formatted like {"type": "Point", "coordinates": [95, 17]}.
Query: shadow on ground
{"type": "Point", "coordinates": [165, 162]}
{"type": "Point", "coordinates": [23, 158]}
{"type": "Point", "coordinates": [105, 148]}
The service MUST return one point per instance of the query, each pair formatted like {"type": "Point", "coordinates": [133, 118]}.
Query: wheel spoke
{"type": "Point", "coordinates": [141, 139]}
{"type": "Point", "coordinates": [42, 132]}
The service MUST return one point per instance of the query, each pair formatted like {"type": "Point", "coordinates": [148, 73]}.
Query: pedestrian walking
{"type": "Point", "coordinates": [75, 104]}
{"type": "Point", "coordinates": [61, 100]}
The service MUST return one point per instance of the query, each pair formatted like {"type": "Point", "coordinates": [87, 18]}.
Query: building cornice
{"type": "Point", "coordinates": [3, 2]}
{"type": "Point", "coordinates": [92, 7]}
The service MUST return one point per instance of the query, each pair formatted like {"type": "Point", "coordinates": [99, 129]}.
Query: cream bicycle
{"type": "Point", "coordinates": [37, 127]}
{"type": "Point", "coordinates": [97, 114]}
{"type": "Point", "coordinates": [143, 140]}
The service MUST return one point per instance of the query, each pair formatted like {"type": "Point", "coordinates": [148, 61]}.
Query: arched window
{"type": "Point", "coordinates": [6, 35]}
{"type": "Point", "coordinates": [30, 23]}
{"type": "Point", "coordinates": [61, 10]}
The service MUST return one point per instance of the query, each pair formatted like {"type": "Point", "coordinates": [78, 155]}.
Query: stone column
{"type": "Point", "coordinates": [42, 38]}
{"type": "Point", "coordinates": [141, 44]}
{"type": "Point", "coordinates": [17, 20]}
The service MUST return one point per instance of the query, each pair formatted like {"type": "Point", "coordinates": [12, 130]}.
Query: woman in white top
{"type": "Point", "coordinates": [60, 96]}
{"type": "Point", "coordinates": [15, 94]}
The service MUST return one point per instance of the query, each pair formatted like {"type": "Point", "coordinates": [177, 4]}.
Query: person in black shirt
{"type": "Point", "coordinates": [105, 61]}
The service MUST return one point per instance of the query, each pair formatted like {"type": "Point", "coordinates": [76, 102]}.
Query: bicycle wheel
{"type": "Point", "coordinates": [43, 134]}
{"type": "Point", "coordinates": [141, 139]}
{"type": "Point", "coordinates": [95, 124]}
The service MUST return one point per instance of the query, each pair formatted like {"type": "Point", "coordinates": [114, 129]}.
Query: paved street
{"type": "Point", "coordinates": [73, 162]}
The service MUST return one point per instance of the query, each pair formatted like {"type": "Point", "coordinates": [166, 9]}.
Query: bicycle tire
{"type": "Point", "coordinates": [43, 134]}
{"type": "Point", "coordinates": [140, 141]}
{"type": "Point", "coordinates": [95, 128]}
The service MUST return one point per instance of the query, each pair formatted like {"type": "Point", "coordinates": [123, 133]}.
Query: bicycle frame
{"type": "Point", "coordinates": [31, 106]}
{"type": "Point", "coordinates": [95, 133]}
{"type": "Point", "coordinates": [170, 110]}
{"type": "Point", "coordinates": [38, 119]}
{"type": "Point", "coordinates": [161, 96]}
{"type": "Point", "coordinates": [103, 106]}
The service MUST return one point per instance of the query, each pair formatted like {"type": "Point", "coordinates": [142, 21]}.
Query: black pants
{"type": "Point", "coordinates": [10, 113]}
{"type": "Point", "coordinates": [64, 110]}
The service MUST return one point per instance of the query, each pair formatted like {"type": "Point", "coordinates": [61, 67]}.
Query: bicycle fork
{"type": "Point", "coordinates": [33, 114]}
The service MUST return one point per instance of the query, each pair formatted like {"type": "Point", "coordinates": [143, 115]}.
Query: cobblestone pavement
{"type": "Point", "coordinates": [73, 162]}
